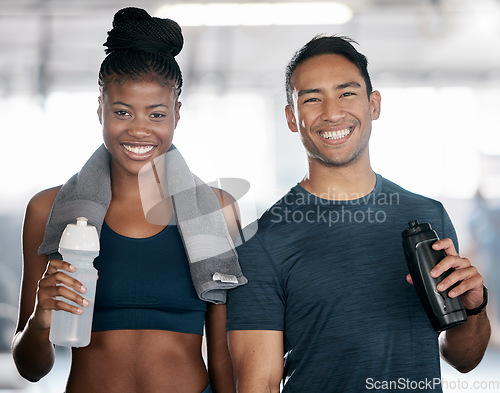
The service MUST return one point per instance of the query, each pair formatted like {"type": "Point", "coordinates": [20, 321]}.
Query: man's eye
{"type": "Point", "coordinates": [158, 115]}
{"type": "Point", "coordinates": [311, 100]}
{"type": "Point", "coordinates": [347, 94]}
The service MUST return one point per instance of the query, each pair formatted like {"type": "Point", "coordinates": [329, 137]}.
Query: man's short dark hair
{"type": "Point", "coordinates": [322, 45]}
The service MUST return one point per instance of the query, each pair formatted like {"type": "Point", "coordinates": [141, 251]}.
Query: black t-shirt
{"type": "Point", "coordinates": [332, 276]}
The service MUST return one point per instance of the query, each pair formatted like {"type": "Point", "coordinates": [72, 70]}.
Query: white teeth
{"type": "Point", "coordinates": [336, 134]}
{"type": "Point", "coordinates": [138, 149]}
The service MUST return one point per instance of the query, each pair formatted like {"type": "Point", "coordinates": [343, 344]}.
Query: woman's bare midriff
{"type": "Point", "coordinates": [133, 361]}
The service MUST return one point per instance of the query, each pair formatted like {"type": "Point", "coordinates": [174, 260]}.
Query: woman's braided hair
{"type": "Point", "coordinates": [141, 46]}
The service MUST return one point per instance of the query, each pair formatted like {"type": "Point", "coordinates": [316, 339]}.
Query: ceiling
{"type": "Point", "coordinates": [54, 45]}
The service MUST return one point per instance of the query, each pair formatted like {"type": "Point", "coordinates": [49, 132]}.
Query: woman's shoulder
{"type": "Point", "coordinates": [41, 203]}
{"type": "Point", "coordinates": [230, 210]}
{"type": "Point", "coordinates": [45, 197]}
{"type": "Point", "coordinates": [35, 220]}
{"type": "Point", "coordinates": [225, 199]}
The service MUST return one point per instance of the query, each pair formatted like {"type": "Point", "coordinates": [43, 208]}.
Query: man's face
{"type": "Point", "coordinates": [331, 110]}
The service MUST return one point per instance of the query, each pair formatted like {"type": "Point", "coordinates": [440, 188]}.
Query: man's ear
{"type": "Point", "coordinates": [375, 101]}
{"type": "Point", "coordinates": [290, 119]}
{"type": "Point", "coordinates": [99, 109]}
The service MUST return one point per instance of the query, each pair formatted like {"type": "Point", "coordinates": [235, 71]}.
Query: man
{"type": "Point", "coordinates": [329, 306]}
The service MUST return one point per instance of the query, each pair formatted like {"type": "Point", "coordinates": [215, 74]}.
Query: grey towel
{"type": "Point", "coordinates": [213, 260]}
{"type": "Point", "coordinates": [86, 194]}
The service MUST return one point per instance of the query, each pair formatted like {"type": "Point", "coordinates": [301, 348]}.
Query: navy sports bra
{"type": "Point", "coordinates": [145, 284]}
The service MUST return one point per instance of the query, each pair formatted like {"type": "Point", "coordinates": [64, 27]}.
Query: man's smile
{"type": "Point", "coordinates": [335, 134]}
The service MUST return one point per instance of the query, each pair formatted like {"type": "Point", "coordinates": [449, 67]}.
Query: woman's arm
{"type": "Point", "coordinates": [220, 367]}
{"type": "Point", "coordinates": [31, 349]}
{"type": "Point", "coordinates": [219, 361]}
{"type": "Point", "coordinates": [231, 212]}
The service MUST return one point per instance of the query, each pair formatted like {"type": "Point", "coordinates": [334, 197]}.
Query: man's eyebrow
{"type": "Point", "coordinates": [307, 91]}
{"type": "Point", "coordinates": [338, 87]}
{"type": "Point", "coordinates": [347, 84]}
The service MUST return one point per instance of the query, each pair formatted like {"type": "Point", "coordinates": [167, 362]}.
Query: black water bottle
{"type": "Point", "coordinates": [444, 312]}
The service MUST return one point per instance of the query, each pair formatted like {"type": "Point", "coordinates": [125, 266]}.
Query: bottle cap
{"type": "Point", "coordinates": [415, 227]}
{"type": "Point", "coordinates": [80, 236]}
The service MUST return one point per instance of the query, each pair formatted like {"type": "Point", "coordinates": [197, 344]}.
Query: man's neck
{"type": "Point", "coordinates": [339, 183]}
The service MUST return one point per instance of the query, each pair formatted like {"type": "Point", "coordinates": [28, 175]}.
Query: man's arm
{"type": "Point", "coordinates": [463, 346]}
{"type": "Point", "coordinates": [257, 357]}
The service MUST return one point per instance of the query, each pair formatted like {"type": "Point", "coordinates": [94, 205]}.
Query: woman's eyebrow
{"type": "Point", "coordinates": [148, 107]}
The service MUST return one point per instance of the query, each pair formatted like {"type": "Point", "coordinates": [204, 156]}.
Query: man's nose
{"type": "Point", "coordinates": [332, 111]}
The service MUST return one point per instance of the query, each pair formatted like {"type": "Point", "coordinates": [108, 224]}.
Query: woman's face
{"type": "Point", "coordinates": [138, 120]}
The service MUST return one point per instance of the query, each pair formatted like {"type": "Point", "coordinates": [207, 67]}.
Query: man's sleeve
{"type": "Point", "coordinates": [259, 304]}
{"type": "Point", "coordinates": [449, 229]}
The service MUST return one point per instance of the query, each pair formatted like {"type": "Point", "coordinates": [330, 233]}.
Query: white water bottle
{"type": "Point", "coordinates": [79, 245]}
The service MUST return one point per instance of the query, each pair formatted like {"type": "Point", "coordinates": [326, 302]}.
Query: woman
{"type": "Point", "coordinates": [148, 321]}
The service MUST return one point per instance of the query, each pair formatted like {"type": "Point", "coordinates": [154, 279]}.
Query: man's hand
{"type": "Point", "coordinates": [463, 346]}
{"type": "Point", "coordinates": [470, 282]}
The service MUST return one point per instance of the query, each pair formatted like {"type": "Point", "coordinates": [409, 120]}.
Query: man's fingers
{"type": "Point", "coordinates": [446, 245]}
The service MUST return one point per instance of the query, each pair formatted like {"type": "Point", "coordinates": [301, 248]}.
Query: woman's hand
{"type": "Point", "coordinates": [53, 285]}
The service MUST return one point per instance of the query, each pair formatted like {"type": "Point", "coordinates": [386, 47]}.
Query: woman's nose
{"type": "Point", "coordinates": [139, 130]}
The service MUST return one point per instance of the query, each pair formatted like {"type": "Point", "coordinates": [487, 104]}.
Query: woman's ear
{"type": "Point", "coordinates": [177, 112]}
{"type": "Point", "coordinates": [99, 109]}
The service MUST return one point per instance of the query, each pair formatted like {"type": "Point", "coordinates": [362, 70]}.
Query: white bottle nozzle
{"type": "Point", "coordinates": [81, 221]}
{"type": "Point", "coordinates": [80, 236]}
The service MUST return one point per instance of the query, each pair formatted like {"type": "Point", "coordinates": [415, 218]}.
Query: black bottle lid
{"type": "Point", "coordinates": [414, 228]}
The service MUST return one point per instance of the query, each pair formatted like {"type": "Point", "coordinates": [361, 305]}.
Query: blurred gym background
{"type": "Point", "coordinates": [435, 62]}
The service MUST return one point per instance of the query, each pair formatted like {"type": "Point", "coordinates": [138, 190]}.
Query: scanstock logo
{"type": "Point", "coordinates": [166, 183]}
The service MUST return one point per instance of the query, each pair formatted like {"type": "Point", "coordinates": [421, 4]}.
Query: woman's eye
{"type": "Point", "coordinates": [158, 115]}
{"type": "Point", "coordinates": [121, 113]}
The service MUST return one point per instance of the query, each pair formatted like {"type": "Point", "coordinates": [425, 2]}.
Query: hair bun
{"type": "Point", "coordinates": [134, 29]}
